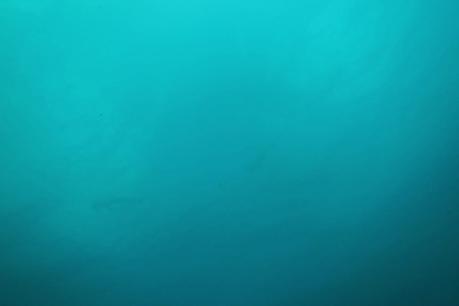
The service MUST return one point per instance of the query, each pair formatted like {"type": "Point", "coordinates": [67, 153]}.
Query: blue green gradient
{"type": "Point", "coordinates": [229, 153]}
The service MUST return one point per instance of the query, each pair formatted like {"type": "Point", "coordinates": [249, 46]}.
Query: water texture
{"type": "Point", "coordinates": [229, 153]}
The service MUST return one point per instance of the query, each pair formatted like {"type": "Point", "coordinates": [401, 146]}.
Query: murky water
{"type": "Point", "coordinates": [244, 152]}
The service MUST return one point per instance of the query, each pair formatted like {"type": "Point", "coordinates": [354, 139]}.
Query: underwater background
{"type": "Point", "coordinates": [229, 153]}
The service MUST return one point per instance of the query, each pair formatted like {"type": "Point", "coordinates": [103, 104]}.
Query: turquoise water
{"type": "Point", "coordinates": [229, 153]}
